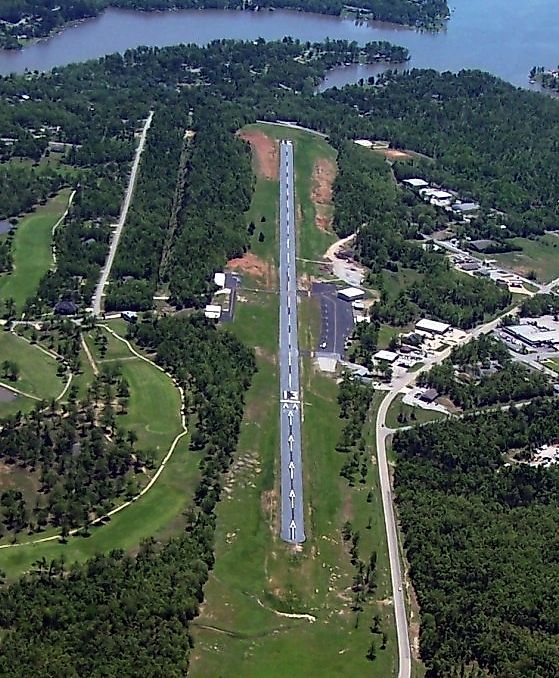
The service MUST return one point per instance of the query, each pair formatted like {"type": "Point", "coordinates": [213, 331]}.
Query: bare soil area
{"type": "Point", "coordinates": [265, 151]}
{"type": "Point", "coordinates": [393, 154]}
{"type": "Point", "coordinates": [251, 265]}
{"type": "Point", "coordinates": [323, 176]}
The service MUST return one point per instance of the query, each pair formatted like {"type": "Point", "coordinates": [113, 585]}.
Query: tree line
{"type": "Point", "coordinates": [477, 534]}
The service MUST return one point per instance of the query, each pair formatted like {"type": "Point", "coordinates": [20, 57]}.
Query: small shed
{"type": "Point", "coordinates": [429, 395]}
{"type": "Point", "coordinates": [213, 312]}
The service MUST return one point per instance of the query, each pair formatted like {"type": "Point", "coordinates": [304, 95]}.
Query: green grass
{"type": "Point", "coordinates": [153, 412]}
{"type": "Point", "coordinates": [421, 416]}
{"type": "Point", "coordinates": [32, 251]}
{"type": "Point", "coordinates": [308, 149]}
{"type": "Point", "coordinates": [37, 370]}
{"type": "Point", "coordinates": [540, 255]}
{"type": "Point", "coordinates": [552, 363]}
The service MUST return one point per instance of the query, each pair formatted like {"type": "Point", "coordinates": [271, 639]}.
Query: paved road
{"type": "Point", "coordinates": [292, 516]}
{"type": "Point", "coordinates": [382, 433]}
{"type": "Point", "coordinates": [106, 270]}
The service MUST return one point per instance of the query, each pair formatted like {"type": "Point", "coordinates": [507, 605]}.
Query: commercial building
{"type": "Point", "coordinates": [433, 326]}
{"type": "Point", "coordinates": [536, 333]}
{"type": "Point", "coordinates": [351, 294]}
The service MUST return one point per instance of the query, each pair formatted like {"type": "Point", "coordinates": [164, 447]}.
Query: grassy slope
{"type": "Point", "coordinates": [238, 632]}
{"type": "Point", "coordinates": [37, 370]}
{"type": "Point", "coordinates": [154, 413]}
{"type": "Point", "coordinates": [32, 250]}
{"type": "Point", "coordinates": [308, 149]}
{"type": "Point", "coordinates": [540, 255]}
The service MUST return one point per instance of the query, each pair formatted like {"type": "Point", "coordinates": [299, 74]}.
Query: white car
{"type": "Point", "coordinates": [323, 345]}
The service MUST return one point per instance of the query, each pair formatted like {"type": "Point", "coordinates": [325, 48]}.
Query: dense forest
{"type": "Point", "coordinates": [480, 535]}
{"type": "Point", "coordinates": [450, 118]}
{"type": "Point", "coordinates": [482, 373]}
{"type": "Point", "coordinates": [386, 218]}
{"type": "Point", "coordinates": [130, 616]}
{"type": "Point", "coordinates": [25, 19]}
{"type": "Point", "coordinates": [354, 399]}
{"type": "Point", "coordinates": [136, 268]}
{"type": "Point", "coordinates": [92, 112]}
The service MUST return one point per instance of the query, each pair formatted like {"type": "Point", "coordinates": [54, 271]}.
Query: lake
{"type": "Point", "coordinates": [504, 37]}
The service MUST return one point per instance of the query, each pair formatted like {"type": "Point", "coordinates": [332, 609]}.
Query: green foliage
{"type": "Point", "coordinates": [482, 373]}
{"type": "Point", "coordinates": [477, 535]}
{"type": "Point", "coordinates": [211, 228]}
{"type": "Point", "coordinates": [489, 140]}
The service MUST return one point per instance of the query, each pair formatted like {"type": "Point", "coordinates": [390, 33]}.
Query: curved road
{"type": "Point", "coordinates": [382, 433]}
{"type": "Point", "coordinates": [106, 270]}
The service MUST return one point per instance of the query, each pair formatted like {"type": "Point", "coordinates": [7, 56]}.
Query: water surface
{"type": "Point", "coordinates": [504, 37]}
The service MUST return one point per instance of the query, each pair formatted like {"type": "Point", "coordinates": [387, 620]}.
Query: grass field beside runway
{"type": "Point", "coordinates": [257, 578]}
{"type": "Point", "coordinates": [32, 251]}
{"type": "Point", "coordinates": [308, 150]}
{"type": "Point", "coordinates": [257, 575]}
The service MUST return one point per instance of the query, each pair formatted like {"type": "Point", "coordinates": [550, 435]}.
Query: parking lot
{"type": "Point", "coordinates": [336, 319]}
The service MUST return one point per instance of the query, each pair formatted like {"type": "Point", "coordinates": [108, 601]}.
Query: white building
{"type": "Point", "coordinates": [219, 279]}
{"type": "Point", "coordinates": [351, 294]}
{"type": "Point", "coordinates": [416, 183]}
{"type": "Point", "coordinates": [212, 312]}
{"type": "Point", "coordinates": [432, 326]}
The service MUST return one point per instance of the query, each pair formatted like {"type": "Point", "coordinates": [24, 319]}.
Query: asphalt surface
{"type": "Point", "coordinates": [292, 515]}
{"type": "Point", "coordinates": [336, 319]}
{"type": "Point", "coordinates": [106, 270]}
{"type": "Point", "coordinates": [232, 281]}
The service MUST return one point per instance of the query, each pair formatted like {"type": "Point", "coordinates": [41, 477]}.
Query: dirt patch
{"type": "Point", "coordinates": [324, 173]}
{"type": "Point", "coordinates": [265, 151]}
{"type": "Point", "coordinates": [393, 154]}
{"type": "Point", "coordinates": [251, 265]}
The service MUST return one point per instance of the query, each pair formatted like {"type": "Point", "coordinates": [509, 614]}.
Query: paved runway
{"type": "Point", "coordinates": [292, 515]}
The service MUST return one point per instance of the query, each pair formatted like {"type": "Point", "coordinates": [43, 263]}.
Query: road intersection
{"type": "Point", "coordinates": [292, 515]}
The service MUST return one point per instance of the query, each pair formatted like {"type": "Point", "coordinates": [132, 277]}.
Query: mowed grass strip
{"type": "Point", "coordinates": [32, 251]}
{"type": "Point", "coordinates": [37, 370]}
{"type": "Point", "coordinates": [256, 575]}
